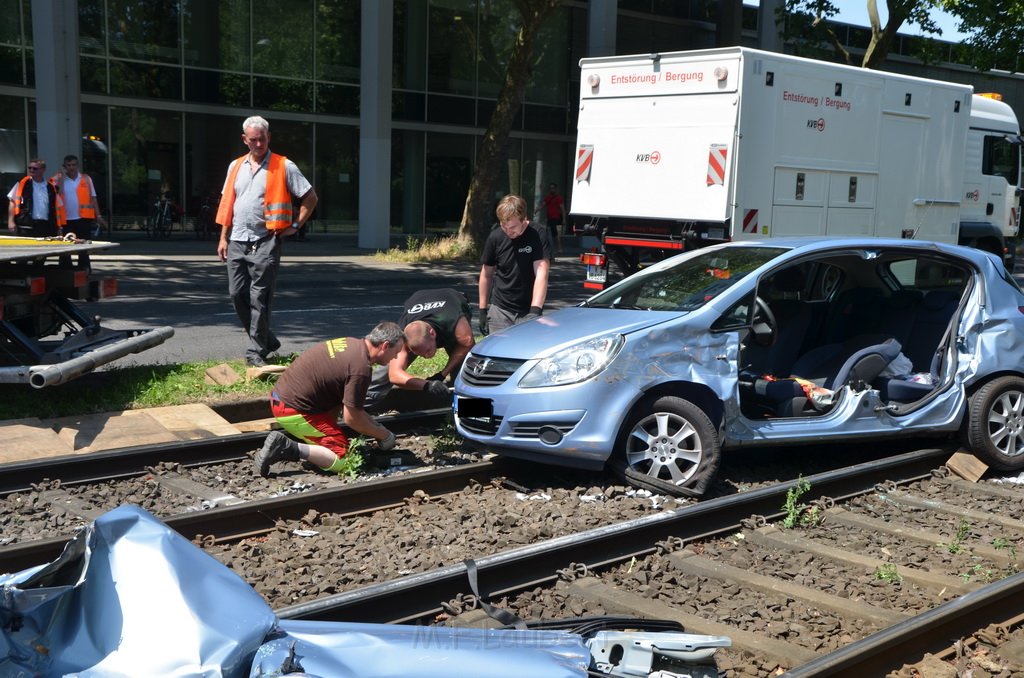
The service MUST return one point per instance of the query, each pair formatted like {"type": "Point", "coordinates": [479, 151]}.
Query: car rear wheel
{"type": "Point", "coordinates": [669, 446]}
{"type": "Point", "coordinates": [994, 429]}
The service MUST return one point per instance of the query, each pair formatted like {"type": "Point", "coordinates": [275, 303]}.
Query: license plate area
{"type": "Point", "coordinates": [474, 408]}
{"type": "Point", "coordinates": [597, 273]}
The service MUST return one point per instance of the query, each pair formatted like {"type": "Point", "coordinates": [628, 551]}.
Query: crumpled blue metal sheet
{"type": "Point", "coordinates": [131, 597]}
{"type": "Point", "coordinates": [342, 650]}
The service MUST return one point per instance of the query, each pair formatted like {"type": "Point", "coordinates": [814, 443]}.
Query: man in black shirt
{"type": "Point", "coordinates": [514, 269]}
{"type": "Point", "coordinates": [437, 318]}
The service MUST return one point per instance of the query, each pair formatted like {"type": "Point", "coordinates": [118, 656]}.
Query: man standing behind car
{"type": "Point", "coordinates": [328, 379]}
{"type": "Point", "coordinates": [438, 318]}
{"type": "Point", "coordinates": [513, 271]}
{"type": "Point", "coordinates": [255, 214]}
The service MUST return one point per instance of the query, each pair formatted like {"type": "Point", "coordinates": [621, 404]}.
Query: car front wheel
{"type": "Point", "coordinates": [669, 446]}
{"type": "Point", "coordinates": [995, 425]}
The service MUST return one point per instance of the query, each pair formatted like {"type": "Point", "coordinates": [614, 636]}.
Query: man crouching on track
{"type": "Point", "coordinates": [431, 319]}
{"type": "Point", "coordinates": [328, 378]}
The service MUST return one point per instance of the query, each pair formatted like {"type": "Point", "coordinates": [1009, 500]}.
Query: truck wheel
{"type": "Point", "coordinates": [994, 427]}
{"type": "Point", "coordinates": [668, 446]}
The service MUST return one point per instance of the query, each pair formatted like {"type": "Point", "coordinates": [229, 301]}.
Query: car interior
{"type": "Point", "coordinates": [861, 319]}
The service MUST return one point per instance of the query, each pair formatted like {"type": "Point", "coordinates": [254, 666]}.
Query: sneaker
{"type": "Point", "coordinates": [255, 361]}
{"type": "Point", "coordinates": [277, 447]}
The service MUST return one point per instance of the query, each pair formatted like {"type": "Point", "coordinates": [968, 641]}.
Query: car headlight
{"type": "Point", "coordinates": [574, 364]}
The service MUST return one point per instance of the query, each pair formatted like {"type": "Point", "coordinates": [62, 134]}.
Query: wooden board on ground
{"type": "Point", "coordinates": [112, 430]}
{"type": "Point", "coordinates": [967, 466]}
{"type": "Point", "coordinates": [192, 422]}
{"type": "Point", "coordinates": [29, 439]}
{"type": "Point", "coordinates": [267, 372]}
{"type": "Point", "coordinates": [221, 375]}
{"type": "Point", "coordinates": [257, 425]}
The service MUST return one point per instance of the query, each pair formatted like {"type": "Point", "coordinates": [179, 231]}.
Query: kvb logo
{"type": "Point", "coordinates": [416, 308]}
{"type": "Point", "coordinates": [973, 195]}
{"type": "Point", "coordinates": [653, 158]}
{"type": "Point", "coordinates": [818, 124]}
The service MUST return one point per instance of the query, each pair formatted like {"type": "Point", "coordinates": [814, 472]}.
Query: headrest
{"type": "Point", "coordinates": [789, 280]}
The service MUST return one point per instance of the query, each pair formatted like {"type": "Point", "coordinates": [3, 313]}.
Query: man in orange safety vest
{"type": "Point", "coordinates": [255, 214]}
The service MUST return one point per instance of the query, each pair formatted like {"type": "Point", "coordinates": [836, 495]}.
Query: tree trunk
{"type": "Point", "coordinates": [478, 214]}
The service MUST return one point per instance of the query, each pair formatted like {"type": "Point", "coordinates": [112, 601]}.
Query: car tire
{"type": "Point", "coordinates": [688, 452]}
{"type": "Point", "coordinates": [994, 429]}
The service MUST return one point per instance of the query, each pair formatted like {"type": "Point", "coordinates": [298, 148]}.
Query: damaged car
{"type": "Point", "coordinates": [773, 342]}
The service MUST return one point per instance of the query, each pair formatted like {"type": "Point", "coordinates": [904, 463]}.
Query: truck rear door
{"type": "Point", "coordinates": [656, 138]}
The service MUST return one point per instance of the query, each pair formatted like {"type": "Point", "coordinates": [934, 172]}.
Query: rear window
{"type": "Point", "coordinates": [928, 274]}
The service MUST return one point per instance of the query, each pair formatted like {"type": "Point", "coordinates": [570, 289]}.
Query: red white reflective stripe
{"type": "Point", "coordinates": [750, 221]}
{"type": "Point", "coordinates": [584, 159]}
{"type": "Point", "coordinates": [716, 164]}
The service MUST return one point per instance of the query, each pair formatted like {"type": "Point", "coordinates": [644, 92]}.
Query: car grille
{"type": "Point", "coordinates": [483, 371]}
{"type": "Point", "coordinates": [485, 426]}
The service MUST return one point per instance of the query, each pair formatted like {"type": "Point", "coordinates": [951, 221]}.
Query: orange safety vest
{"type": "Point", "coordinates": [86, 207]}
{"type": "Point", "coordinates": [277, 201]}
{"type": "Point", "coordinates": [55, 215]}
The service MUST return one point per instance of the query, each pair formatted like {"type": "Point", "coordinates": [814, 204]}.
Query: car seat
{"type": "Point", "coordinates": [856, 361]}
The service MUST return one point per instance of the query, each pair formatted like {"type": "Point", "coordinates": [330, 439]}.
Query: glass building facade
{"type": "Point", "coordinates": [164, 85]}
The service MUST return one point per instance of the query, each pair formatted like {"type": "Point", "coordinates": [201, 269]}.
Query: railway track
{"type": "Point", "coordinates": [586, 570]}
{"type": "Point", "coordinates": [592, 572]}
{"type": "Point", "coordinates": [225, 517]}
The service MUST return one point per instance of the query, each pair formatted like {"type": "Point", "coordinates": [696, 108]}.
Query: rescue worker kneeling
{"type": "Point", "coordinates": [327, 379]}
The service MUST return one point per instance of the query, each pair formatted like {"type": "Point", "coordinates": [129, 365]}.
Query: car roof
{"type": "Point", "coordinates": [809, 244]}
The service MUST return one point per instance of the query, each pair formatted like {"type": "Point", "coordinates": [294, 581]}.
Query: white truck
{"type": "Point", "coordinates": [684, 149]}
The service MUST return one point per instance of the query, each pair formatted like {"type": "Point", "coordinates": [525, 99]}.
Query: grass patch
{"type": "Point", "coordinates": [127, 389]}
{"type": "Point", "coordinates": [148, 386]}
{"type": "Point", "coordinates": [443, 248]}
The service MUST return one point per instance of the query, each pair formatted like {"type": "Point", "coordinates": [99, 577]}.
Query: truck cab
{"type": "Point", "coordinates": [990, 205]}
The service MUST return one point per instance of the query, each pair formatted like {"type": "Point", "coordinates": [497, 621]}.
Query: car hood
{"type": "Point", "coordinates": [567, 326]}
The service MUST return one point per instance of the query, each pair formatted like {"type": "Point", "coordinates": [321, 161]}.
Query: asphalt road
{"type": "Point", "coordinates": [326, 288]}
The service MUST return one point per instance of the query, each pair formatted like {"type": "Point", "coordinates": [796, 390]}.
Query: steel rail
{"type": "Point", "coordinates": [419, 596]}
{"type": "Point", "coordinates": [132, 461]}
{"type": "Point", "coordinates": [230, 523]}
{"type": "Point", "coordinates": [928, 632]}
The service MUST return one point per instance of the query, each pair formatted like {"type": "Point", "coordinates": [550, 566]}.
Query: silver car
{"type": "Point", "coordinates": [759, 343]}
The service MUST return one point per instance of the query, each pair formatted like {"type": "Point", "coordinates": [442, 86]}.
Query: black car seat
{"type": "Point", "coordinates": [856, 361]}
{"type": "Point", "coordinates": [793, 318]}
{"type": "Point", "coordinates": [931, 321]}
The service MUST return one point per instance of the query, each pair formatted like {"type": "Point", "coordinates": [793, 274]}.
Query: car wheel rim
{"type": "Point", "coordinates": [1006, 423]}
{"type": "Point", "coordinates": [664, 446]}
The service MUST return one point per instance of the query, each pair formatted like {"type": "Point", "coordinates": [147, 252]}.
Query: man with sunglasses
{"type": "Point", "coordinates": [33, 208]}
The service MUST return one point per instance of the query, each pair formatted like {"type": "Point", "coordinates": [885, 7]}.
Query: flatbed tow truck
{"type": "Point", "coordinates": [45, 337]}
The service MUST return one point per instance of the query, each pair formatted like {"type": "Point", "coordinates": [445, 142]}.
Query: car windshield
{"type": "Point", "coordinates": [688, 285]}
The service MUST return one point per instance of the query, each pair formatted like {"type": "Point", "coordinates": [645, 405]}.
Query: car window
{"type": "Point", "coordinates": [927, 274]}
{"type": "Point", "coordinates": [688, 285]}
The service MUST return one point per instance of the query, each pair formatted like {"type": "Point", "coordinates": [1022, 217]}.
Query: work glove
{"type": "Point", "coordinates": [482, 323]}
{"type": "Point", "coordinates": [436, 388]}
{"type": "Point", "coordinates": [388, 443]}
{"type": "Point", "coordinates": [439, 376]}
{"type": "Point", "coordinates": [535, 312]}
